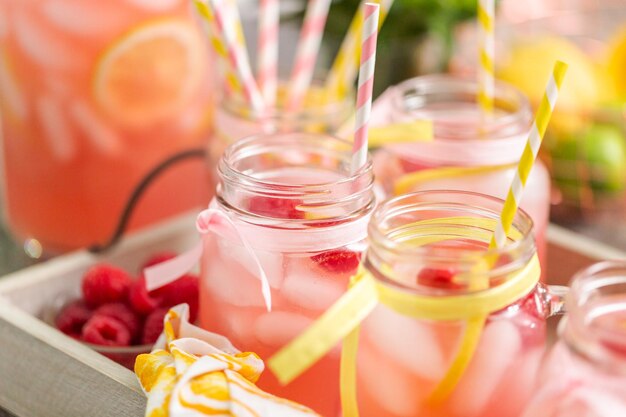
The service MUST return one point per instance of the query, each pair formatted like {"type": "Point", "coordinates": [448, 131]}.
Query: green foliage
{"type": "Point", "coordinates": [407, 18]}
{"type": "Point", "coordinates": [408, 22]}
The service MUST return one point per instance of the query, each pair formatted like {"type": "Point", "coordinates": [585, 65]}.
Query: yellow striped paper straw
{"type": "Point", "coordinates": [486, 40]}
{"type": "Point", "coordinates": [226, 25]}
{"type": "Point", "coordinates": [233, 10]}
{"type": "Point", "coordinates": [475, 325]}
{"type": "Point", "coordinates": [232, 82]}
{"type": "Point", "coordinates": [537, 131]}
{"type": "Point", "coordinates": [344, 70]}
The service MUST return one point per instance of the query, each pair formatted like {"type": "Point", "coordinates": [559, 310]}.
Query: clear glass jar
{"type": "Point", "coordinates": [485, 148]}
{"type": "Point", "coordinates": [585, 372]}
{"type": "Point", "coordinates": [93, 96]}
{"type": "Point", "coordinates": [431, 247]}
{"type": "Point", "coordinates": [234, 120]}
{"type": "Point", "coordinates": [294, 207]}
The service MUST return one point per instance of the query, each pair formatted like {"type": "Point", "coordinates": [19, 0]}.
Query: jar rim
{"type": "Point", "coordinates": [352, 191]}
{"type": "Point", "coordinates": [383, 245]}
{"type": "Point", "coordinates": [420, 91]}
{"type": "Point", "coordinates": [279, 113]}
{"type": "Point", "coordinates": [241, 145]}
{"type": "Point", "coordinates": [579, 331]}
{"type": "Point", "coordinates": [460, 135]}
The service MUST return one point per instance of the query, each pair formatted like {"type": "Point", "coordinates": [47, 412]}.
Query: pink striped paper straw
{"type": "Point", "coordinates": [225, 24]}
{"type": "Point", "coordinates": [267, 58]}
{"type": "Point", "coordinates": [365, 84]}
{"type": "Point", "coordinates": [306, 53]}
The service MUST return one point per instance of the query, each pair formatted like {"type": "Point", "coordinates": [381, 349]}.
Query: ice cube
{"type": "Point", "coordinates": [392, 387]}
{"type": "Point", "coordinates": [240, 324]}
{"type": "Point", "coordinates": [523, 377]}
{"type": "Point", "coordinates": [57, 131]}
{"type": "Point", "coordinates": [412, 344]}
{"type": "Point", "coordinates": [277, 328]}
{"type": "Point", "coordinates": [272, 262]}
{"type": "Point", "coordinates": [10, 94]}
{"type": "Point", "coordinates": [155, 5]}
{"type": "Point", "coordinates": [498, 347]}
{"type": "Point", "coordinates": [43, 46]}
{"type": "Point", "coordinates": [231, 283]}
{"type": "Point", "coordinates": [84, 18]}
{"type": "Point", "coordinates": [306, 287]}
{"type": "Point", "coordinates": [101, 136]}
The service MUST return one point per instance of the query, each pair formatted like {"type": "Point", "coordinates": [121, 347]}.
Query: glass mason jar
{"type": "Point", "coordinates": [294, 208]}
{"type": "Point", "coordinates": [469, 152]}
{"type": "Point", "coordinates": [93, 96]}
{"type": "Point", "coordinates": [471, 339]}
{"type": "Point", "coordinates": [585, 372]}
{"type": "Point", "coordinates": [234, 120]}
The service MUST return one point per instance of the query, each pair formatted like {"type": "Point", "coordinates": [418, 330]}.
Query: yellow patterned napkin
{"type": "Point", "coordinates": [193, 372]}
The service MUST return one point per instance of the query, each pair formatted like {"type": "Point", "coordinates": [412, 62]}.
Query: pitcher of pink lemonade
{"type": "Point", "coordinates": [470, 151]}
{"type": "Point", "coordinates": [289, 209]}
{"type": "Point", "coordinates": [584, 375]}
{"type": "Point", "coordinates": [235, 120]}
{"type": "Point", "coordinates": [458, 330]}
{"type": "Point", "coordinates": [94, 96]}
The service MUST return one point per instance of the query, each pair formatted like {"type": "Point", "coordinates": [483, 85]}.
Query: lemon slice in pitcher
{"type": "Point", "coordinates": [150, 73]}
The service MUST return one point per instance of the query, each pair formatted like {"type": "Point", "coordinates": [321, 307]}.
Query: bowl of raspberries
{"type": "Point", "coordinates": [117, 316]}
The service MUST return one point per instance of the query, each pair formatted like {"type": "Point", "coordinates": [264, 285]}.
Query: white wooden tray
{"type": "Point", "coordinates": [45, 373]}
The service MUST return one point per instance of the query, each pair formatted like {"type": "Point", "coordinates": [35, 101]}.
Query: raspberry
{"type": "Point", "coordinates": [534, 305]}
{"type": "Point", "coordinates": [338, 261]}
{"type": "Point", "coordinates": [123, 314]}
{"type": "Point", "coordinates": [72, 318]}
{"type": "Point", "coordinates": [438, 278]}
{"type": "Point", "coordinates": [142, 301]}
{"type": "Point", "coordinates": [105, 284]}
{"type": "Point", "coordinates": [153, 327]}
{"type": "Point", "coordinates": [278, 208]}
{"type": "Point", "coordinates": [531, 304]}
{"type": "Point", "coordinates": [617, 346]}
{"type": "Point", "coordinates": [183, 290]}
{"type": "Point", "coordinates": [157, 258]}
{"type": "Point", "coordinates": [105, 330]}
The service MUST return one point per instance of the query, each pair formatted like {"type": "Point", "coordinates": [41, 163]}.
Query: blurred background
{"type": "Point", "coordinates": [585, 149]}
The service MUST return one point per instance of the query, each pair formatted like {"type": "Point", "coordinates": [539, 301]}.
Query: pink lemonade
{"type": "Point", "coordinates": [584, 374]}
{"type": "Point", "coordinates": [303, 217]}
{"type": "Point", "coordinates": [93, 96]}
{"type": "Point", "coordinates": [432, 245]}
{"type": "Point", "coordinates": [469, 152]}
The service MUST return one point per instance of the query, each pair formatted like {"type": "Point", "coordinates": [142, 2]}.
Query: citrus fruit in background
{"type": "Point", "coordinates": [530, 64]}
{"type": "Point", "coordinates": [597, 157]}
{"type": "Point", "coordinates": [617, 63]}
{"type": "Point", "coordinates": [150, 73]}
{"type": "Point", "coordinates": [607, 94]}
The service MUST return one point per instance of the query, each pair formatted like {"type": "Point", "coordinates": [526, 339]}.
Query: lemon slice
{"type": "Point", "coordinates": [149, 74]}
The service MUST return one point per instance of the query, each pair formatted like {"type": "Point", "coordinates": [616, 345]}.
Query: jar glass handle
{"type": "Point", "coordinates": [553, 298]}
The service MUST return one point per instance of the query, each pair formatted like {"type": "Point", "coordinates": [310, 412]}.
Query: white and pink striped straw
{"type": "Point", "coordinates": [365, 85]}
{"type": "Point", "coordinates": [267, 54]}
{"type": "Point", "coordinates": [307, 51]}
{"type": "Point", "coordinates": [225, 23]}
